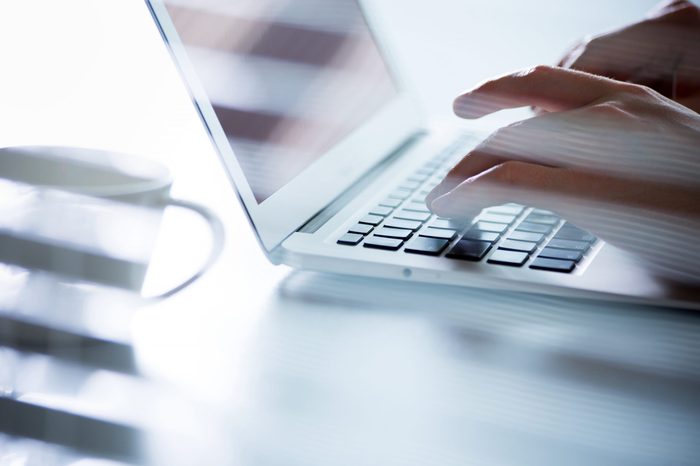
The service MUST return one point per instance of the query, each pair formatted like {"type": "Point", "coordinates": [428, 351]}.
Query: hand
{"type": "Point", "coordinates": [618, 159]}
{"type": "Point", "coordinates": [661, 52]}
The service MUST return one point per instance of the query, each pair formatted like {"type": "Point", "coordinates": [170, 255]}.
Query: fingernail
{"type": "Point", "coordinates": [446, 185]}
{"type": "Point", "coordinates": [463, 106]}
{"type": "Point", "coordinates": [441, 206]}
{"type": "Point", "coordinates": [454, 206]}
{"type": "Point", "coordinates": [436, 192]}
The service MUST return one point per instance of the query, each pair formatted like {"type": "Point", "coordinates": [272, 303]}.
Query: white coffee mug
{"type": "Point", "coordinates": [59, 207]}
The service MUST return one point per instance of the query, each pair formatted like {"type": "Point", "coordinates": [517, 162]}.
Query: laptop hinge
{"type": "Point", "coordinates": [356, 188]}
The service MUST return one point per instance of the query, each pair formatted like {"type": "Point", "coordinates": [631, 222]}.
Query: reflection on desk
{"type": "Point", "coordinates": [345, 370]}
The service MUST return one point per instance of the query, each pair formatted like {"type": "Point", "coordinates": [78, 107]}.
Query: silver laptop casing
{"type": "Point", "coordinates": [299, 226]}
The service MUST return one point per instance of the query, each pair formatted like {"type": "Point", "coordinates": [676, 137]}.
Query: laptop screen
{"type": "Point", "coordinates": [287, 79]}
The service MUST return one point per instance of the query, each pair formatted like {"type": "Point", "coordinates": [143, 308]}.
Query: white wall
{"type": "Point", "coordinates": [448, 45]}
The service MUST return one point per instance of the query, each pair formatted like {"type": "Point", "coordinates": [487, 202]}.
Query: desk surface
{"type": "Point", "coordinates": [257, 364]}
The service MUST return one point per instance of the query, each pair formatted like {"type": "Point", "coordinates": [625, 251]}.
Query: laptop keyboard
{"type": "Point", "coordinates": [510, 235]}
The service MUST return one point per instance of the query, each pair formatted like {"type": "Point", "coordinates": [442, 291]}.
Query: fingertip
{"type": "Point", "coordinates": [440, 206]}
{"type": "Point", "coordinates": [453, 206]}
{"type": "Point", "coordinates": [437, 191]}
{"type": "Point", "coordinates": [470, 106]}
{"type": "Point", "coordinates": [433, 194]}
{"type": "Point", "coordinates": [462, 108]}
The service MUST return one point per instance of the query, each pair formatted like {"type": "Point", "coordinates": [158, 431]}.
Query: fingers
{"type": "Point", "coordinates": [473, 163]}
{"type": "Point", "coordinates": [646, 47]}
{"type": "Point", "coordinates": [573, 51]}
{"type": "Point", "coordinates": [556, 188]}
{"type": "Point", "coordinates": [514, 141]}
{"type": "Point", "coordinates": [507, 182]}
{"type": "Point", "coordinates": [552, 89]}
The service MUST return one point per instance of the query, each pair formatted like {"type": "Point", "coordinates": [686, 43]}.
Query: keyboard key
{"type": "Point", "coordinates": [446, 223]}
{"type": "Point", "coordinates": [479, 235]}
{"type": "Point", "coordinates": [534, 227]}
{"type": "Point", "coordinates": [543, 219]}
{"type": "Point", "coordinates": [513, 245]}
{"type": "Point", "coordinates": [542, 212]}
{"type": "Point", "coordinates": [445, 153]}
{"type": "Point", "coordinates": [439, 233]}
{"type": "Point", "coordinates": [393, 233]}
{"type": "Point", "coordinates": [526, 236]}
{"type": "Point", "coordinates": [564, 254]}
{"type": "Point", "coordinates": [571, 232]}
{"type": "Point", "coordinates": [350, 239]}
{"type": "Point", "coordinates": [381, 210]}
{"type": "Point", "coordinates": [410, 185]}
{"type": "Point", "coordinates": [581, 246]}
{"type": "Point", "coordinates": [418, 203]}
{"type": "Point", "coordinates": [418, 178]}
{"type": "Point", "coordinates": [361, 228]}
{"type": "Point", "coordinates": [490, 226]}
{"type": "Point", "coordinates": [391, 202]}
{"type": "Point", "coordinates": [373, 220]}
{"type": "Point", "coordinates": [410, 215]}
{"type": "Point", "coordinates": [400, 194]}
{"type": "Point", "coordinates": [553, 265]}
{"type": "Point", "coordinates": [496, 218]}
{"type": "Point", "coordinates": [503, 257]}
{"type": "Point", "coordinates": [404, 224]}
{"type": "Point", "coordinates": [377, 242]}
{"type": "Point", "coordinates": [427, 246]}
{"type": "Point", "coordinates": [415, 207]}
{"type": "Point", "coordinates": [419, 198]}
{"type": "Point", "coordinates": [507, 209]}
{"type": "Point", "coordinates": [469, 250]}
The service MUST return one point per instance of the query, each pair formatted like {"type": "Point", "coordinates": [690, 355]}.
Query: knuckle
{"type": "Point", "coordinates": [592, 41]}
{"type": "Point", "coordinates": [634, 97]}
{"type": "Point", "coordinates": [611, 108]}
{"type": "Point", "coordinates": [540, 70]}
{"type": "Point", "coordinates": [507, 172]}
{"type": "Point", "coordinates": [504, 140]}
{"type": "Point", "coordinates": [637, 90]}
{"type": "Point", "coordinates": [573, 55]}
{"type": "Point", "coordinates": [591, 48]}
{"type": "Point", "coordinates": [494, 142]}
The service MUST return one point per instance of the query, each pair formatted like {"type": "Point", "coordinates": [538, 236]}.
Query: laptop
{"type": "Point", "coordinates": [332, 160]}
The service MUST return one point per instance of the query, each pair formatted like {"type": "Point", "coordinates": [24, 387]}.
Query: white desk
{"type": "Point", "coordinates": [262, 365]}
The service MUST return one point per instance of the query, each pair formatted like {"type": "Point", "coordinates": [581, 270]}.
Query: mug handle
{"type": "Point", "coordinates": [218, 239]}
